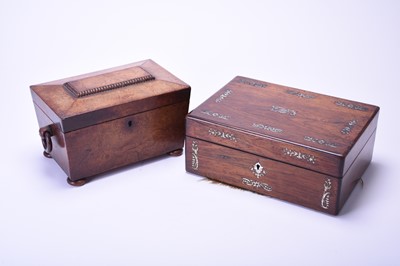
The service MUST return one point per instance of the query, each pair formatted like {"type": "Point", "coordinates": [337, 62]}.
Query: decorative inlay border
{"type": "Point", "coordinates": [299, 94]}
{"type": "Point", "coordinates": [267, 127]}
{"type": "Point", "coordinates": [195, 158]}
{"type": "Point", "coordinates": [214, 114]}
{"type": "Point", "coordinates": [298, 155]}
{"type": "Point", "coordinates": [320, 141]}
{"type": "Point", "coordinates": [347, 129]}
{"type": "Point", "coordinates": [283, 110]}
{"type": "Point", "coordinates": [326, 194]}
{"type": "Point", "coordinates": [224, 95]}
{"type": "Point", "coordinates": [351, 106]}
{"type": "Point", "coordinates": [221, 134]}
{"type": "Point", "coordinates": [256, 184]}
{"type": "Point", "coordinates": [252, 83]}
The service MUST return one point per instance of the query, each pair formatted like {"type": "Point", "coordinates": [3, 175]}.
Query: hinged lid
{"type": "Point", "coordinates": [101, 96]}
{"type": "Point", "coordinates": [306, 129]}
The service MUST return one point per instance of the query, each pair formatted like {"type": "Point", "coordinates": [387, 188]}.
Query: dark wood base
{"type": "Point", "coordinates": [176, 153]}
{"type": "Point", "coordinates": [77, 183]}
{"type": "Point", "coordinates": [278, 180]}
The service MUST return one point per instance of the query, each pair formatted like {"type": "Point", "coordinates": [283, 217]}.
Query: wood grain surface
{"type": "Point", "coordinates": [108, 119]}
{"type": "Point", "coordinates": [315, 147]}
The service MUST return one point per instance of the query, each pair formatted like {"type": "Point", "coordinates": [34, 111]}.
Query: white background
{"type": "Point", "coordinates": [154, 213]}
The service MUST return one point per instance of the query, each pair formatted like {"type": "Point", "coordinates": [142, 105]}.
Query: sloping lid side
{"type": "Point", "coordinates": [101, 96]}
{"type": "Point", "coordinates": [303, 128]}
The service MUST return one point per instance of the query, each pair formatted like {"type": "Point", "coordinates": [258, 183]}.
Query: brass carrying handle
{"type": "Point", "coordinates": [46, 134]}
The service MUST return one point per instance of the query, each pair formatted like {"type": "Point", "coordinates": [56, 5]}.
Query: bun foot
{"type": "Point", "coordinates": [77, 183]}
{"type": "Point", "coordinates": [47, 155]}
{"type": "Point", "coordinates": [176, 153]}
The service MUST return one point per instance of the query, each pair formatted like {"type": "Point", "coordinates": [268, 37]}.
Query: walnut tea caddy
{"type": "Point", "coordinates": [295, 145]}
{"type": "Point", "coordinates": [93, 123]}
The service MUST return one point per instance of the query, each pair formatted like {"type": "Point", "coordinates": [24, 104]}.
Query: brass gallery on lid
{"type": "Point", "coordinates": [97, 122]}
{"type": "Point", "coordinates": [269, 139]}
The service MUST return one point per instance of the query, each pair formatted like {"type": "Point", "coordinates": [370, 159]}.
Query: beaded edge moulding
{"type": "Point", "coordinates": [107, 81]}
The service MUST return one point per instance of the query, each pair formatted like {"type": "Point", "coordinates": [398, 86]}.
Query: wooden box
{"type": "Point", "coordinates": [295, 145]}
{"type": "Point", "coordinates": [100, 121]}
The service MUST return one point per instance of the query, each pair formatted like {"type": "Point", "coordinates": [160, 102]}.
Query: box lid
{"type": "Point", "coordinates": [101, 96]}
{"type": "Point", "coordinates": [306, 129]}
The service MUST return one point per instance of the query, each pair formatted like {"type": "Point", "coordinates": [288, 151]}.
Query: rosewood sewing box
{"type": "Point", "coordinates": [93, 123]}
{"type": "Point", "coordinates": [295, 145]}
